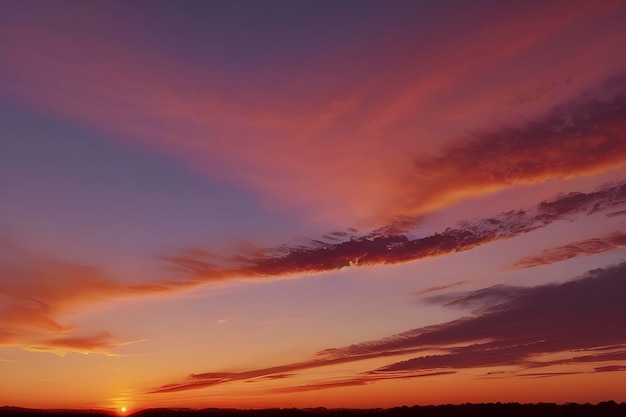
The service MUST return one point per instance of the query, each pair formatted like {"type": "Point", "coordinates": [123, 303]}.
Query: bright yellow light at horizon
{"type": "Point", "coordinates": [123, 409]}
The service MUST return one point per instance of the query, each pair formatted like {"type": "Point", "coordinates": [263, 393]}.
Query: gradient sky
{"type": "Point", "coordinates": [311, 203]}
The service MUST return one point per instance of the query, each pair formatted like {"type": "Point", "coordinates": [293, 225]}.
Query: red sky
{"type": "Point", "coordinates": [340, 204]}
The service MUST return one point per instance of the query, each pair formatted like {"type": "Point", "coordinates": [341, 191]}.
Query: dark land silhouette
{"type": "Point", "coordinates": [604, 409]}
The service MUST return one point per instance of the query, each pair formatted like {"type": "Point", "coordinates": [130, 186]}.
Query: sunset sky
{"type": "Point", "coordinates": [342, 203]}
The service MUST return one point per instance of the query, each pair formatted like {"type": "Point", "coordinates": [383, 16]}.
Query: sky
{"type": "Point", "coordinates": [311, 203]}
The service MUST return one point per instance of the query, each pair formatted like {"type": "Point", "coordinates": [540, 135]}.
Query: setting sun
{"type": "Point", "coordinates": [123, 409]}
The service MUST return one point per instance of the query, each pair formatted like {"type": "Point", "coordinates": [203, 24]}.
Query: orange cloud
{"type": "Point", "coordinates": [103, 343]}
{"type": "Point", "coordinates": [35, 293]}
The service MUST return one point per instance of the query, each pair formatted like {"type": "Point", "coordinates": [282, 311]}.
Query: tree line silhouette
{"type": "Point", "coordinates": [604, 409]}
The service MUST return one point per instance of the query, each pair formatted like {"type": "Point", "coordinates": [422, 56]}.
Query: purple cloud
{"type": "Point", "coordinates": [584, 319]}
{"type": "Point", "coordinates": [593, 246]}
{"type": "Point", "coordinates": [350, 250]}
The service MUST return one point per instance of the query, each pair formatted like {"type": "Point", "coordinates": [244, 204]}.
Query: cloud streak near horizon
{"type": "Point", "coordinates": [514, 327]}
{"type": "Point", "coordinates": [275, 192]}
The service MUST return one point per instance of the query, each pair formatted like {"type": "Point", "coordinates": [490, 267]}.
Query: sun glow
{"type": "Point", "coordinates": [123, 409]}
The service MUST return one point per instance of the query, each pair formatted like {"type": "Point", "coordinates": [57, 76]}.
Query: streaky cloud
{"type": "Point", "coordinates": [583, 320]}
{"type": "Point", "coordinates": [196, 381]}
{"type": "Point", "coordinates": [611, 368]}
{"type": "Point", "coordinates": [379, 247]}
{"type": "Point", "coordinates": [31, 311]}
{"type": "Point", "coordinates": [548, 374]}
{"type": "Point", "coordinates": [36, 294]}
{"type": "Point", "coordinates": [580, 314]}
{"type": "Point", "coordinates": [360, 380]}
{"type": "Point", "coordinates": [583, 136]}
{"type": "Point", "coordinates": [481, 300]}
{"type": "Point", "coordinates": [587, 247]}
{"type": "Point", "coordinates": [376, 125]}
{"type": "Point", "coordinates": [439, 288]}
{"type": "Point", "coordinates": [103, 343]}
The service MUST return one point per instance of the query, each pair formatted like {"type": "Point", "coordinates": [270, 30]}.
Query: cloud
{"type": "Point", "coordinates": [611, 368]}
{"type": "Point", "coordinates": [36, 292]}
{"type": "Point", "coordinates": [274, 376]}
{"type": "Point", "coordinates": [37, 295]}
{"type": "Point", "coordinates": [103, 343]}
{"type": "Point", "coordinates": [481, 300]}
{"type": "Point", "coordinates": [361, 380]}
{"type": "Point", "coordinates": [616, 213]}
{"type": "Point", "coordinates": [584, 136]}
{"type": "Point", "coordinates": [389, 125]}
{"type": "Point", "coordinates": [202, 380]}
{"type": "Point", "coordinates": [548, 374]}
{"type": "Point", "coordinates": [440, 287]}
{"type": "Point", "coordinates": [379, 247]}
{"type": "Point", "coordinates": [322, 385]}
{"type": "Point", "coordinates": [581, 320]}
{"type": "Point", "coordinates": [593, 246]}
{"type": "Point", "coordinates": [579, 314]}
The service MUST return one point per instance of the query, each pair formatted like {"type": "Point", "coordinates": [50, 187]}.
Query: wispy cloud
{"type": "Point", "coordinates": [360, 380]}
{"type": "Point", "coordinates": [203, 380]}
{"type": "Point", "coordinates": [581, 320]}
{"type": "Point", "coordinates": [378, 133]}
{"type": "Point", "coordinates": [103, 343]}
{"type": "Point", "coordinates": [593, 246]}
{"type": "Point", "coordinates": [440, 288]}
{"type": "Point", "coordinates": [611, 368]}
{"type": "Point", "coordinates": [380, 247]}
{"type": "Point", "coordinates": [584, 136]}
{"type": "Point", "coordinates": [579, 314]}
{"type": "Point", "coordinates": [37, 292]}
{"type": "Point", "coordinates": [36, 295]}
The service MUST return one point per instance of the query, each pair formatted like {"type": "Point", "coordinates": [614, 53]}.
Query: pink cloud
{"type": "Point", "coordinates": [347, 148]}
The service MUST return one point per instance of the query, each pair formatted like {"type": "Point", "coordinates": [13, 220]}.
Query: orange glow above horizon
{"type": "Point", "coordinates": [298, 205]}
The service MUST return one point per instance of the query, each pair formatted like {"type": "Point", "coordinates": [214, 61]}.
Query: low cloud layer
{"type": "Point", "coordinates": [583, 320]}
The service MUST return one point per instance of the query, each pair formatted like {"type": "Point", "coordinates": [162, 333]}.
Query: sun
{"type": "Point", "coordinates": [123, 409]}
